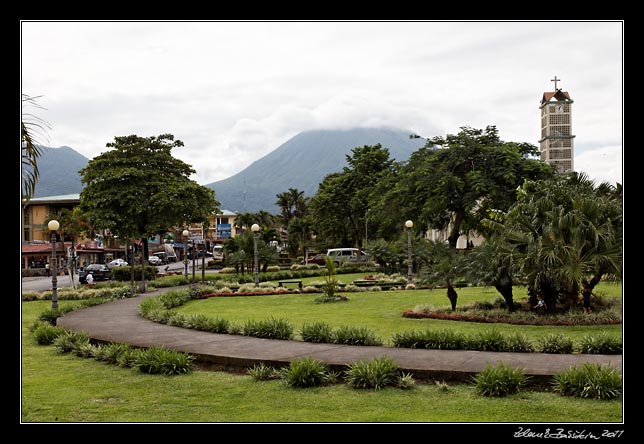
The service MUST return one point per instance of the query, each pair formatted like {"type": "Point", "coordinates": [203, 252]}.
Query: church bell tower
{"type": "Point", "coordinates": [557, 144]}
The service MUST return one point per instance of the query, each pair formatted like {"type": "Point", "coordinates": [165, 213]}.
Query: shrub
{"type": "Point", "coordinates": [602, 344]}
{"type": "Point", "coordinates": [85, 350]}
{"type": "Point", "coordinates": [124, 273]}
{"type": "Point", "coordinates": [316, 332]}
{"type": "Point", "coordinates": [262, 372]}
{"type": "Point", "coordinates": [305, 372]}
{"type": "Point", "coordinates": [589, 381]}
{"type": "Point", "coordinates": [350, 335]}
{"type": "Point", "coordinates": [162, 361]}
{"type": "Point", "coordinates": [177, 298]}
{"type": "Point", "coordinates": [499, 381]}
{"type": "Point", "coordinates": [269, 329]}
{"type": "Point", "coordinates": [45, 333]}
{"type": "Point", "coordinates": [488, 340]}
{"type": "Point", "coordinates": [443, 339]}
{"type": "Point", "coordinates": [554, 343]}
{"type": "Point", "coordinates": [375, 374]}
{"type": "Point", "coordinates": [205, 323]}
{"type": "Point", "coordinates": [518, 343]}
{"type": "Point", "coordinates": [273, 268]}
{"type": "Point", "coordinates": [112, 352]}
{"type": "Point", "coordinates": [405, 381]}
{"type": "Point", "coordinates": [68, 341]}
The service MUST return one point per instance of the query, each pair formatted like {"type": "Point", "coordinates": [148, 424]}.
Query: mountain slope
{"type": "Point", "coordinates": [58, 169]}
{"type": "Point", "coordinates": [302, 162]}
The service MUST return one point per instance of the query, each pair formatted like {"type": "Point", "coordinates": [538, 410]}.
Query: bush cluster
{"type": "Point", "coordinates": [589, 381]}
{"type": "Point", "coordinates": [153, 360]}
{"type": "Point", "coordinates": [109, 292]}
{"type": "Point", "coordinates": [493, 340]}
{"type": "Point", "coordinates": [321, 332]}
{"type": "Point", "coordinates": [376, 374]}
{"type": "Point", "coordinates": [500, 380]}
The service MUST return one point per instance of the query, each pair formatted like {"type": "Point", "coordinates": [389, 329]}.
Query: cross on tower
{"type": "Point", "coordinates": [555, 80]}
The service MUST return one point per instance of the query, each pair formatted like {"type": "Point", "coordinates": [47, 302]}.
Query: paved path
{"type": "Point", "coordinates": [119, 321]}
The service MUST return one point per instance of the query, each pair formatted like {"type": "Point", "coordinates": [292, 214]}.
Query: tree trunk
{"type": "Point", "coordinates": [506, 292]}
{"type": "Point", "coordinates": [452, 295]}
{"type": "Point", "coordinates": [144, 248]}
{"type": "Point", "coordinates": [456, 229]}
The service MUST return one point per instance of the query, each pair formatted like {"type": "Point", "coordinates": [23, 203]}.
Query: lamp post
{"type": "Point", "coordinates": [53, 226]}
{"type": "Point", "coordinates": [366, 233]}
{"type": "Point", "coordinates": [185, 233]}
{"type": "Point", "coordinates": [409, 224]}
{"type": "Point", "coordinates": [255, 228]}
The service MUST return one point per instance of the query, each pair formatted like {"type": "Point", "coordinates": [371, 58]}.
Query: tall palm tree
{"type": "Point", "coordinates": [30, 127]}
{"type": "Point", "coordinates": [563, 231]}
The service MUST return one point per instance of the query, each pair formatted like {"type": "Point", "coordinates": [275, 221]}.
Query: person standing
{"type": "Point", "coordinates": [90, 280]}
{"type": "Point", "coordinates": [47, 273]}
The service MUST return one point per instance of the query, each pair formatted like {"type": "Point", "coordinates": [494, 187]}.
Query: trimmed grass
{"type": "Point", "coordinates": [64, 388]}
{"type": "Point", "coordinates": [381, 311]}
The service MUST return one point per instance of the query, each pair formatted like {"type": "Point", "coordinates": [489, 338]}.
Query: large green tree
{"type": "Point", "coordinates": [455, 180]}
{"type": "Point", "coordinates": [339, 209]}
{"type": "Point", "coordinates": [137, 189]}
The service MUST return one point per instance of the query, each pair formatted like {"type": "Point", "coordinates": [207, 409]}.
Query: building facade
{"type": "Point", "coordinates": [103, 247]}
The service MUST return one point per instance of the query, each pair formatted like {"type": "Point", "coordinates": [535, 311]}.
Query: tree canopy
{"type": "Point", "coordinates": [138, 189]}
{"type": "Point", "coordinates": [455, 180]}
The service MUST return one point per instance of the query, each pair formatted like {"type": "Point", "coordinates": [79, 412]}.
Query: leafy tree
{"type": "Point", "coordinates": [137, 189]}
{"type": "Point", "coordinates": [340, 206]}
{"type": "Point", "coordinates": [457, 179]}
{"type": "Point", "coordinates": [73, 223]}
{"type": "Point", "coordinates": [562, 231]}
{"type": "Point", "coordinates": [30, 128]}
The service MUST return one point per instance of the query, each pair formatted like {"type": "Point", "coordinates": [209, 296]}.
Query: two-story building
{"type": "Point", "coordinates": [103, 247]}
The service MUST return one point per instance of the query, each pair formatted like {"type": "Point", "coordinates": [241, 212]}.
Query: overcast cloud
{"type": "Point", "coordinates": [233, 92]}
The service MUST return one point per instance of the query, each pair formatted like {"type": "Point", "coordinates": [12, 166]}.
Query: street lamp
{"type": "Point", "coordinates": [255, 229]}
{"type": "Point", "coordinates": [409, 224]}
{"type": "Point", "coordinates": [53, 226]}
{"type": "Point", "coordinates": [366, 233]}
{"type": "Point", "coordinates": [185, 233]}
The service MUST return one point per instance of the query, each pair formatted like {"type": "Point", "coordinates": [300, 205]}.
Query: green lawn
{"type": "Point", "coordinates": [64, 388]}
{"type": "Point", "coordinates": [381, 311]}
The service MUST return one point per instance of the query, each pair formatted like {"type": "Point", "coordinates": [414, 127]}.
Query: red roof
{"type": "Point", "coordinates": [559, 95]}
{"type": "Point", "coordinates": [43, 248]}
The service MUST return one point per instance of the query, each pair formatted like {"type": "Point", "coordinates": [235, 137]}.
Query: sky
{"type": "Point", "coordinates": [235, 91]}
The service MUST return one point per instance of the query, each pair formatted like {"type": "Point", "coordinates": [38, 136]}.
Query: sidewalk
{"type": "Point", "coordinates": [119, 321]}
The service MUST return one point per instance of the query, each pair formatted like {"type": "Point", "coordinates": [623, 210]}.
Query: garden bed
{"type": "Point", "coordinates": [510, 319]}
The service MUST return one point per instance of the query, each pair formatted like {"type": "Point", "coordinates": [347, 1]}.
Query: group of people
{"type": "Point", "coordinates": [586, 293]}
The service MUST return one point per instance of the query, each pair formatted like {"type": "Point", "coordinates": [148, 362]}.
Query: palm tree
{"type": "Point", "coordinates": [562, 231]}
{"type": "Point", "coordinates": [30, 126]}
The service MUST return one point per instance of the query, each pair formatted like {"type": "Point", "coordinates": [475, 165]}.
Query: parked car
{"type": "Point", "coordinates": [342, 255]}
{"type": "Point", "coordinates": [317, 259]}
{"type": "Point", "coordinates": [99, 272]}
{"type": "Point", "coordinates": [117, 263]}
{"type": "Point", "coordinates": [154, 260]}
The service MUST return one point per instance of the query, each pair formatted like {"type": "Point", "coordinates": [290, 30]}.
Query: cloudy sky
{"type": "Point", "coordinates": [234, 91]}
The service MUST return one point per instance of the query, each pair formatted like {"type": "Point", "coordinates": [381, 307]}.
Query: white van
{"type": "Point", "coordinates": [218, 254]}
{"type": "Point", "coordinates": [342, 255]}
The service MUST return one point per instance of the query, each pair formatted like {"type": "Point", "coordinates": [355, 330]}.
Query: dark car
{"type": "Point", "coordinates": [100, 272]}
{"type": "Point", "coordinates": [317, 259]}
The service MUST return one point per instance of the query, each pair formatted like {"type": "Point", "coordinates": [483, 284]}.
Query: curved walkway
{"type": "Point", "coordinates": [119, 321]}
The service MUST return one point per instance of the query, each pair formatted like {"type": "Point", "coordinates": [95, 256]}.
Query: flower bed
{"type": "Point", "coordinates": [516, 320]}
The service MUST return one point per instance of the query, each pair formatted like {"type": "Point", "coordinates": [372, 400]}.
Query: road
{"type": "Point", "coordinates": [42, 283]}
